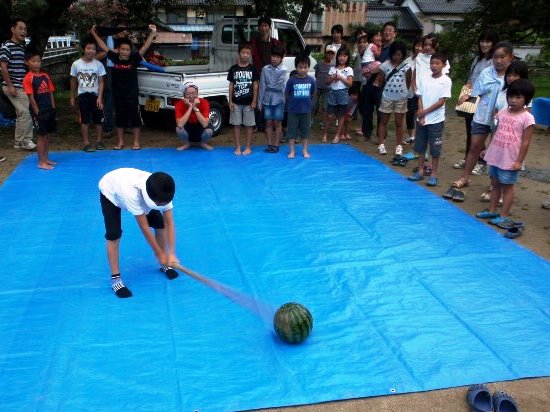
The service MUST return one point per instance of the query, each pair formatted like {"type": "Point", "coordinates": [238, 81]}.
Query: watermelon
{"type": "Point", "coordinates": [293, 322]}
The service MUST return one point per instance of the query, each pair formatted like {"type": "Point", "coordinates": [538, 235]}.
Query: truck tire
{"type": "Point", "coordinates": [217, 117]}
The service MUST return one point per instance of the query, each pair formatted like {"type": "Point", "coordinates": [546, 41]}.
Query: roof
{"type": "Point", "coordinates": [206, 3]}
{"type": "Point", "coordinates": [445, 6]}
{"type": "Point", "coordinates": [407, 21]}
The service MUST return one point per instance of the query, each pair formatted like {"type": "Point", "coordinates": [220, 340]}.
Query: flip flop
{"type": "Point", "coordinates": [136, 148]}
{"type": "Point", "coordinates": [479, 398]}
{"type": "Point", "coordinates": [460, 183]}
{"type": "Point", "coordinates": [503, 402]}
{"type": "Point", "coordinates": [514, 232]}
{"type": "Point", "coordinates": [509, 224]}
{"type": "Point", "coordinates": [118, 147]}
{"type": "Point", "coordinates": [459, 196]}
{"type": "Point", "coordinates": [449, 193]}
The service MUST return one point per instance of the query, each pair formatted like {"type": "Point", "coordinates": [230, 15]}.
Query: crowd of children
{"type": "Point", "coordinates": [378, 73]}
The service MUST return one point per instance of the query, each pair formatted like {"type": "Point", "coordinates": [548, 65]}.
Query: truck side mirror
{"type": "Point", "coordinates": [307, 50]}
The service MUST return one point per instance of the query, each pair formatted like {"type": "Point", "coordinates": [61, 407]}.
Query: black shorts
{"type": "Point", "coordinates": [89, 112]}
{"type": "Point", "coordinates": [45, 122]}
{"type": "Point", "coordinates": [113, 222]}
{"type": "Point", "coordinates": [127, 112]}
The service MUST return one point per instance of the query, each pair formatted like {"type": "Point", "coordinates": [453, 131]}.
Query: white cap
{"type": "Point", "coordinates": [330, 48]}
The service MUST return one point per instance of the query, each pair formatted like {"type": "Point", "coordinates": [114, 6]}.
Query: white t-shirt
{"type": "Point", "coordinates": [422, 67]}
{"type": "Point", "coordinates": [87, 74]}
{"type": "Point", "coordinates": [125, 188]}
{"type": "Point", "coordinates": [346, 72]}
{"type": "Point", "coordinates": [431, 91]}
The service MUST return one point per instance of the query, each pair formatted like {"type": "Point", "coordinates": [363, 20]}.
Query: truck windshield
{"type": "Point", "coordinates": [291, 40]}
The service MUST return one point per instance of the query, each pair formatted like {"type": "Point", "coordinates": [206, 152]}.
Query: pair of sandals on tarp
{"type": "Point", "coordinates": [480, 400]}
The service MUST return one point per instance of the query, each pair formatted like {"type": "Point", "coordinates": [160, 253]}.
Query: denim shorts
{"type": "Point", "coordinates": [242, 114]}
{"type": "Point", "coordinates": [338, 97]}
{"type": "Point", "coordinates": [430, 134]}
{"type": "Point", "coordinates": [274, 112]}
{"type": "Point", "coordinates": [480, 129]}
{"type": "Point", "coordinates": [504, 177]}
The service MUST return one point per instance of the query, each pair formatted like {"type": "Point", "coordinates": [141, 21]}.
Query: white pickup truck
{"type": "Point", "coordinates": [158, 92]}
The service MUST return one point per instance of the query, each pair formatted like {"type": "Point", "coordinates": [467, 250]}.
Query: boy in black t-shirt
{"type": "Point", "coordinates": [39, 88]}
{"type": "Point", "coordinates": [243, 94]}
{"type": "Point", "coordinates": [125, 84]}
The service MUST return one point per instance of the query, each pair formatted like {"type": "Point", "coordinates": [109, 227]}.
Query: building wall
{"type": "Point", "coordinates": [437, 23]}
{"type": "Point", "coordinates": [354, 13]}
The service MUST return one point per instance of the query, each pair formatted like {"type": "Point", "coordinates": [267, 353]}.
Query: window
{"type": "Point", "coordinates": [443, 25]}
{"type": "Point", "coordinates": [314, 23]}
{"type": "Point", "coordinates": [290, 39]}
{"type": "Point", "coordinates": [236, 34]}
{"type": "Point", "coordinates": [176, 18]}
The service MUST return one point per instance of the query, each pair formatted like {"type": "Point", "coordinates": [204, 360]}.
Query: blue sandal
{"type": "Point", "coordinates": [479, 398]}
{"type": "Point", "coordinates": [503, 402]}
{"type": "Point", "coordinates": [487, 214]}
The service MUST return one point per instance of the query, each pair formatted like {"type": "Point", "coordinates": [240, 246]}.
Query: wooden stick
{"type": "Point", "coordinates": [242, 299]}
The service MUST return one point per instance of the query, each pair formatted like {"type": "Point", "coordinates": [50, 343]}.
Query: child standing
{"type": "Point", "coordinates": [515, 71]}
{"type": "Point", "coordinates": [321, 76]}
{"type": "Point", "coordinates": [149, 198]}
{"type": "Point", "coordinates": [430, 45]}
{"type": "Point", "coordinates": [125, 85]}
{"type": "Point", "coordinates": [508, 149]}
{"type": "Point", "coordinates": [340, 80]}
{"type": "Point", "coordinates": [243, 95]}
{"type": "Point", "coordinates": [434, 91]}
{"type": "Point", "coordinates": [272, 97]}
{"type": "Point", "coordinates": [39, 88]}
{"type": "Point", "coordinates": [87, 83]}
{"type": "Point", "coordinates": [487, 87]}
{"type": "Point", "coordinates": [395, 74]}
{"type": "Point", "coordinates": [299, 91]}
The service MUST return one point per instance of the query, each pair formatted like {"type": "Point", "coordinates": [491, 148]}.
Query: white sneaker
{"type": "Point", "coordinates": [460, 164]}
{"type": "Point", "coordinates": [28, 145]}
{"type": "Point", "coordinates": [382, 149]}
{"type": "Point", "coordinates": [409, 140]}
{"type": "Point", "coordinates": [398, 150]}
{"type": "Point", "coordinates": [478, 169]}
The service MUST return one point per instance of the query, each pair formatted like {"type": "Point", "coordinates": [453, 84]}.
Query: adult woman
{"type": "Point", "coordinates": [192, 118]}
{"type": "Point", "coordinates": [484, 58]}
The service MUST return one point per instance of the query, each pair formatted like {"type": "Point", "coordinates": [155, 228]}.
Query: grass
{"type": "Point", "coordinates": [542, 85]}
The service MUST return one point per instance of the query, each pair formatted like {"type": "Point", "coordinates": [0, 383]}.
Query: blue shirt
{"type": "Point", "coordinates": [300, 91]}
{"type": "Point", "coordinates": [272, 85]}
{"type": "Point", "coordinates": [487, 87]}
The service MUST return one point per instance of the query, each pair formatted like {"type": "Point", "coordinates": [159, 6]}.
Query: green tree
{"type": "Point", "coordinates": [43, 18]}
{"type": "Point", "coordinates": [514, 20]}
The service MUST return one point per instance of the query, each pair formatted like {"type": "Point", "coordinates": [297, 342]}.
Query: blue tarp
{"type": "Point", "coordinates": [408, 292]}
